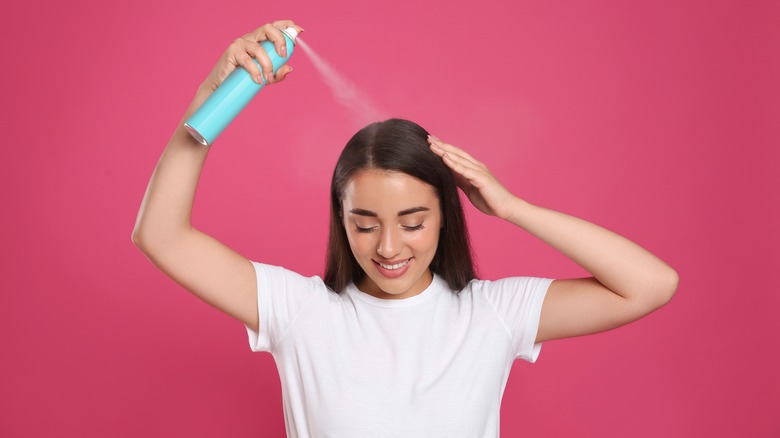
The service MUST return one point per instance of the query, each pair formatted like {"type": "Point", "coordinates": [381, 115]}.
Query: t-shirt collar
{"type": "Point", "coordinates": [437, 286]}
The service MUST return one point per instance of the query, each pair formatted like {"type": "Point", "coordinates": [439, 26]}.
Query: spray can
{"type": "Point", "coordinates": [232, 95]}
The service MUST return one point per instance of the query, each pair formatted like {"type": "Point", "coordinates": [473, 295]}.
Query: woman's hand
{"type": "Point", "coordinates": [628, 281]}
{"type": "Point", "coordinates": [474, 178]}
{"type": "Point", "coordinates": [242, 50]}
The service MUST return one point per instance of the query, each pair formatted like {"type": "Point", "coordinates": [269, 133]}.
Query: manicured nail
{"type": "Point", "coordinates": [269, 77]}
{"type": "Point", "coordinates": [259, 79]}
{"type": "Point", "coordinates": [284, 51]}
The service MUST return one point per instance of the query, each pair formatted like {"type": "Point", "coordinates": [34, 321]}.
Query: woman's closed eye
{"type": "Point", "coordinates": [360, 229]}
{"type": "Point", "coordinates": [369, 229]}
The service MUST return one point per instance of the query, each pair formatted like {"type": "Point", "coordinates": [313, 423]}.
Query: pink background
{"type": "Point", "coordinates": [656, 119]}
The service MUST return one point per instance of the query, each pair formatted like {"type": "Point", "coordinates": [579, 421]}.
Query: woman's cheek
{"type": "Point", "coordinates": [423, 238]}
{"type": "Point", "coordinates": [364, 242]}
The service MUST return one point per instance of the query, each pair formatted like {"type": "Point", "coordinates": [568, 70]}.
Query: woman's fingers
{"type": "Point", "coordinates": [246, 52]}
{"type": "Point", "coordinates": [474, 178]}
{"type": "Point", "coordinates": [284, 24]}
{"type": "Point", "coordinates": [250, 45]}
{"type": "Point", "coordinates": [240, 54]}
{"type": "Point", "coordinates": [258, 34]}
{"type": "Point", "coordinates": [257, 52]}
{"type": "Point", "coordinates": [463, 176]}
{"type": "Point", "coordinates": [273, 33]}
{"type": "Point", "coordinates": [455, 152]}
{"type": "Point", "coordinates": [457, 159]}
{"type": "Point", "coordinates": [282, 73]}
{"type": "Point", "coordinates": [467, 176]}
{"type": "Point", "coordinates": [452, 150]}
{"type": "Point", "coordinates": [464, 169]}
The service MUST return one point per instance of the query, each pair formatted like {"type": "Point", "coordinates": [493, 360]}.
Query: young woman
{"type": "Point", "coordinates": [399, 338]}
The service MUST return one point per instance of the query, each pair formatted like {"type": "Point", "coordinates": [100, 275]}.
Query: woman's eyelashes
{"type": "Point", "coordinates": [417, 227]}
{"type": "Point", "coordinates": [360, 229]}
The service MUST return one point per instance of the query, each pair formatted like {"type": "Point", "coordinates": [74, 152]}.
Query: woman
{"type": "Point", "coordinates": [399, 339]}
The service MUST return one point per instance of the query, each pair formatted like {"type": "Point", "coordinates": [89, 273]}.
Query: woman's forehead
{"type": "Point", "coordinates": [373, 189]}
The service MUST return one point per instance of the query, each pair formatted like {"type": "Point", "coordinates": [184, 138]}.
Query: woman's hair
{"type": "Point", "coordinates": [398, 145]}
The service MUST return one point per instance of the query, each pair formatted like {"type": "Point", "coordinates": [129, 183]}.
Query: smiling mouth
{"type": "Point", "coordinates": [394, 266]}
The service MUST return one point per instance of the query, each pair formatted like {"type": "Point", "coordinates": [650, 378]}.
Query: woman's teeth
{"type": "Point", "coordinates": [396, 266]}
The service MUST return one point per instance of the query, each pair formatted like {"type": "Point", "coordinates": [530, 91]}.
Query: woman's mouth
{"type": "Point", "coordinates": [394, 266]}
{"type": "Point", "coordinates": [393, 269]}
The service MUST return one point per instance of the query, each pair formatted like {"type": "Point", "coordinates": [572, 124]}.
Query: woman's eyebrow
{"type": "Point", "coordinates": [362, 212]}
{"type": "Point", "coordinates": [412, 210]}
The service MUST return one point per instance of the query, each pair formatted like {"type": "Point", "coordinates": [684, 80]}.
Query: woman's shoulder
{"type": "Point", "coordinates": [280, 277]}
{"type": "Point", "coordinates": [495, 288]}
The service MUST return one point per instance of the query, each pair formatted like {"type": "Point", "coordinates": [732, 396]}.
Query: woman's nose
{"type": "Point", "coordinates": [389, 243]}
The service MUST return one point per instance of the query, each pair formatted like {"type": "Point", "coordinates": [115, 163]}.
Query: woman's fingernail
{"type": "Point", "coordinates": [284, 51]}
{"type": "Point", "coordinates": [259, 79]}
{"type": "Point", "coordinates": [269, 77]}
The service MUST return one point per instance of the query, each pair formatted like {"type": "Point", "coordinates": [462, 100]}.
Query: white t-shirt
{"type": "Point", "coordinates": [433, 365]}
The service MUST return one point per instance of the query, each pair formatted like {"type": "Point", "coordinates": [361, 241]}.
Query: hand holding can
{"type": "Point", "coordinates": [240, 74]}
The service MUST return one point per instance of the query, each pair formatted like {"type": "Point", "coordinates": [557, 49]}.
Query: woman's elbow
{"type": "Point", "coordinates": [666, 288]}
{"type": "Point", "coordinates": [138, 238]}
{"type": "Point", "coordinates": [142, 240]}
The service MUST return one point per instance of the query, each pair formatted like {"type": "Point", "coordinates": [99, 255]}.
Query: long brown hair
{"type": "Point", "coordinates": [401, 146]}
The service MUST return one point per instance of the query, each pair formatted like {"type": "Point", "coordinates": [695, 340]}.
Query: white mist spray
{"type": "Point", "coordinates": [344, 91]}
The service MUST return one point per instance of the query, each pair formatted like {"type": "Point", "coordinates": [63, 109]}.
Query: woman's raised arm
{"type": "Point", "coordinates": [163, 230]}
{"type": "Point", "coordinates": [628, 281]}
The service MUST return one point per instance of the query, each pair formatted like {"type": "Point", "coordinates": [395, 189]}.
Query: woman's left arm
{"type": "Point", "coordinates": [628, 281]}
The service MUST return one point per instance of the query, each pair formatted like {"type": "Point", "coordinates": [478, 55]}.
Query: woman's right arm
{"type": "Point", "coordinates": [163, 230]}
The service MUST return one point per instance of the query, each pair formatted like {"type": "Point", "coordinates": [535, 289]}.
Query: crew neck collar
{"type": "Point", "coordinates": [437, 285]}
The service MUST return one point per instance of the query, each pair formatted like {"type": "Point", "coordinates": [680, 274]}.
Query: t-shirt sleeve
{"type": "Point", "coordinates": [518, 304]}
{"type": "Point", "coordinates": [281, 296]}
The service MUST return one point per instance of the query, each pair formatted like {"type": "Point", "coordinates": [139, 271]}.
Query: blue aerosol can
{"type": "Point", "coordinates": [233, 95]}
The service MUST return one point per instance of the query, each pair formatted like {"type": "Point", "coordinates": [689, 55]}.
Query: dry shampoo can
{"type": "Point", "coordinates": [232, 95]}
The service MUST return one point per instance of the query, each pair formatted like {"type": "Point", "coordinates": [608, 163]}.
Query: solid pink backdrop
{"type": "Point", "coordinates": [657, 120]}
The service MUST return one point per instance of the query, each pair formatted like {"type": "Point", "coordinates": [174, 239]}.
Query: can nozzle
{"type": "Point", "coordinates": [291, 32]}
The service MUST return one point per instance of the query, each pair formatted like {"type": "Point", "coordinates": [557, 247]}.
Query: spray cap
{"type": "Point", "coordinates": [291, 32]}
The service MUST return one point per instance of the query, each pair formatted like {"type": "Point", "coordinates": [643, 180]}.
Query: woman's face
{"type": "Point", "coordinates": [392, 222]}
